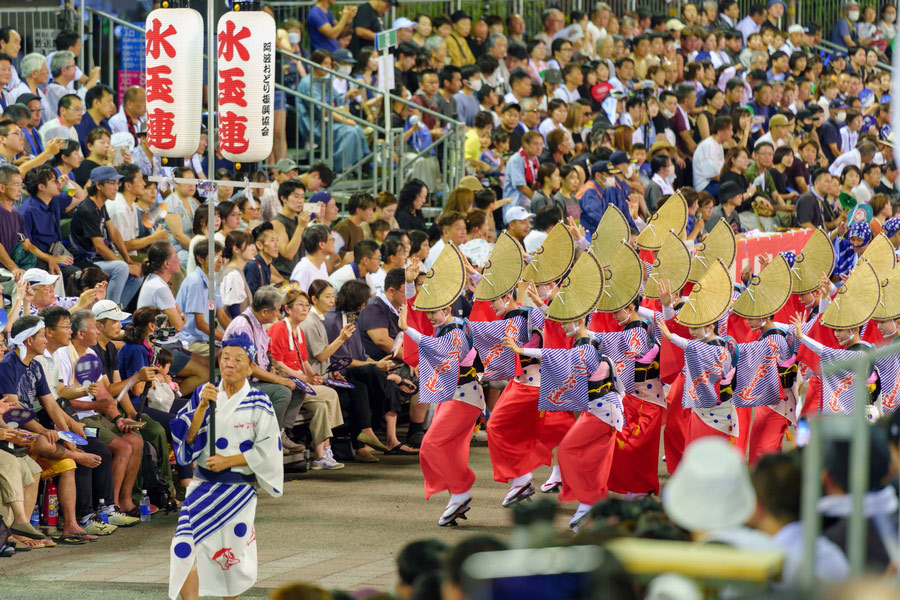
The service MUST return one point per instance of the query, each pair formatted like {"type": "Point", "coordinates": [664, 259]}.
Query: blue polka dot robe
{"type": "Point", "coordinates": [215, 528]}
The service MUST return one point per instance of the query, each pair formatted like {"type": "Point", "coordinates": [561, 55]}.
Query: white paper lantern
{"type": "Point", "coordinates": [246, 85]}
{"type": "Point", "coordinates": [174, 81]}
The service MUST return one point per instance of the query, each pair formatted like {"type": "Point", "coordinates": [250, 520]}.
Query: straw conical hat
{"type": "Point", "coordinates": [553, 258]}
{"type": "Point", "coordinates": [814, 261]}
{"type": "Point", "coordinates": [672, 215]}
{"type": "Point", "coordinates": [767, 292]}
{"type": "Point", "coordinates": [710, 298]}
{"type": "Point", "coordinates": [720, 244]}
{"type": "Point", "coordinates": [612, 230]}
{"type": "Point", "coordinates": [503, 270]}
{"type": "Point", "coordinates": [880, 253]}
{"type": "Point", "coordinates": [444, 282]}
{"type": "Point", "coordinates": [622, 277]}
{"type": "Point", "coordinates": [856, 300]}
{"type": "Point", "coordinates": [673, 262]}
{"type": "Point", "coordinates": [579, 292]}
{"type": "Point", "coordinates": [889, 302]}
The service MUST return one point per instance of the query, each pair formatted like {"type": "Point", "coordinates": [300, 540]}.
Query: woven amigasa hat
{"type": "Point", "coordinates": [881, 255]}
{"type": "Point", "coordinates": [672, 215]}
{"type": "Point", "coordinates": [767, 292]}
{"type": "Point", "coordinates": [553, 258]}
{"type": "Point", "coordinates": [888, 307]}
{"type": "Point", "coordinates": [444, 282]}
{"type": "Point", "coordinates": [672, 263]}
{"type": "Point", "coordinates": [856, 300]}
{"type": "Point", "coordinates": [612, 229]}
{"type": "Point", "coordinates": [710, 298]}
{"type": "Point", "coordinates": [579, 292]}
{"type": "Point", "coordinates": [503, 270]}
{"type": "Point", "coordinates": [815, 261]}
{"type": "Point", "coordinates": [622, 278]}
{"type": "Point", "coordinates": [720, 244]}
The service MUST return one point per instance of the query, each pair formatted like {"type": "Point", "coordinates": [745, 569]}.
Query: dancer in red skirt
{"type": "Point", "coordinates": [580, 378]}
{"type": "Point", "coordinates": [708, 359]}
{"type": "Point", "coordinates": [766, 368]}
{"type": "Point", "coordinates": [447, 378]}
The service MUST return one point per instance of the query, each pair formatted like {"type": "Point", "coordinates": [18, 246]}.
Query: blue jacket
{"type": "Point", "coordinates": [593, 204]}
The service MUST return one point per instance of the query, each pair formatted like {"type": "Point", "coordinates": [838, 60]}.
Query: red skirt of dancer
{"type": "Point", "coordinates": [444, 454]}
{"type": "Point", "coordinates": [514, 433]}
{"type": "Point", "coordinates": [635, 465]}
{"type": "Point", "coordinates": [764, 436]}
{"type": "Point", "coordinates": [812, 406]}
{"type": "Point", "coordinates": [555, 425]}
{"type": "Point", "coordinates": [585, 458]}
{"type": "Point", "coordinates": [698, 429]}
{"type": "Point", "coordinates": [677, 419]}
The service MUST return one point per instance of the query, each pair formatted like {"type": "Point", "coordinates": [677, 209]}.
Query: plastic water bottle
{"type": "Point", "coordinates": [101, 511]}
{"type": "Point", "coordinates": [145, 507]}
{"type": "Point", "coordinates": [36, 517]}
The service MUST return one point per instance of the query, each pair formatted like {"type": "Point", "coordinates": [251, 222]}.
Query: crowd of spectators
{"type": "Point", "coordinates": [103, 250]}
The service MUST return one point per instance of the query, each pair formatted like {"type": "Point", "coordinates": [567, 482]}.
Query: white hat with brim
{"type": "Point", "coordinates": [517, 213]}
{"type": "Point", "coordinates": [711, 489]}
{"type": "Point", "coordinates": [107, 309]}
{"type": "Point", "coordinates": [39, 277]}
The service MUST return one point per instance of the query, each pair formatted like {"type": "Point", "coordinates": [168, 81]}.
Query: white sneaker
{"type": "Point", "coordinates": [326, 464]}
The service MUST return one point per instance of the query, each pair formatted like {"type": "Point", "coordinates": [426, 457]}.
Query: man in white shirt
{"type": "Point", "coordinates": [70, 41]}
{"type": "Point", "coordinates": [572, 78]}
{"type": "Point", "coordinates": [318, 244]}
{"type": "Point", "coordinates": [857, 157]}
{"type": "Point", "coordinates": [132, 114]}
{"type": "Point", "coordinates": [62, 70]}
{"type": "Point", "coordinates": [752, 22]}
{"type": "Point", "coordinates": [453, 229]}
{"type": "Point", "coordinates": [498, 47]}
{"type": "Point", "coordinates": [871, 176]}
{"type": "Point", "coordinates": [779, 132]}
{"type": "Point", "coordinates": [69, 112]}
{"type": "Point", "coordinates": [366, 260]}
{"type": "Point", "coordinates": [709, 157]}
{"type": "Point", "coordinates": [777, 481]}
{"type": "Point", "coordinates": [123, 210]}
{"type": "Point", "coordinates": [599, 20]}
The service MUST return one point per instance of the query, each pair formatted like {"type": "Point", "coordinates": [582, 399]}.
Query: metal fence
{"type": "Point", "coordinates": [38, 26]}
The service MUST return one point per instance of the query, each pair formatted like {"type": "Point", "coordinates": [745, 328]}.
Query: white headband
{"type": "Point", "coordinates": [18, 342]}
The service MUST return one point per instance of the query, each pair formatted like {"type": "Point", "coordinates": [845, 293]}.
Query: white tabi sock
{"type": "Point", "coordinates": [521, 480]}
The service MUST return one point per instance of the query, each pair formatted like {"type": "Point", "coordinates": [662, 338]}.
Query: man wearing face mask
{"type": "Point", "coordinates": [844, 32]}
{"type": "Point", "coordinates": [466, 99]}
{"type": "Point", "coordinates": [448, 378]}
{"type": "Point", "coordinates": [830, 134]}
{"type": "Point", "coordinates": [618, 192]}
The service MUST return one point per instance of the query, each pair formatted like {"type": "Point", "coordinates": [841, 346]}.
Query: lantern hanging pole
{"type": "Point", "coordinates": [210, 202]}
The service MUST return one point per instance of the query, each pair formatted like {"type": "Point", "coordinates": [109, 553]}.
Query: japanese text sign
{"type": "Point", "coordinates": [174, 83]}
{"type": "Point", "coordinates": [246, 85]}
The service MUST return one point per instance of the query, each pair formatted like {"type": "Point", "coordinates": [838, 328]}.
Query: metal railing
{"type": "Point", "coordinates": [449, 145]}
{"type": "Point", "coordinates": [831, 48]}
{"type": "Point", "coordinates": [855, 428]}
{"type": "Point", "coordinates": [38, 26]}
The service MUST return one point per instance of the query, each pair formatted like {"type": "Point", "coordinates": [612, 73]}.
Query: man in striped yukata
{"type": "Point", "coordinates": [214, 548]}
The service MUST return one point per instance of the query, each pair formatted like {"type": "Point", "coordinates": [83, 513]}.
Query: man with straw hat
{"type": "Point", "coordinates": [708, 358]}
{"type": "Point", "coordinates": [766, 368]}
{"type": "Point", "coordinates": [580, 378]}
{"type": "Point", "coordinates": [447, 377]}
{"type": "Point", "coordinates": [514, 427]}
{"type": "Point", "coordinates": [852, 307]}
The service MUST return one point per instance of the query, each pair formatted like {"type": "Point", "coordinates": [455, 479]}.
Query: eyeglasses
{"type": "Point", "coordinates": [302, 305]}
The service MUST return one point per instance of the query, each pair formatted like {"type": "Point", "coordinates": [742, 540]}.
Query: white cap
{"type": "Point", "coordinates": [711, 489]}
{"type": "Point", "coordinates": [404, 23]}
{"type": "Point", "coordinates": [517, 213]}
{"type": "Point", "coordinates": [39, 277]}
{"type": "Point", "coordinates": [796, 29]}
{"type": "Point", "coordinates": [674, 25]}
{"type": "Point", "coordinates": [107, 309]}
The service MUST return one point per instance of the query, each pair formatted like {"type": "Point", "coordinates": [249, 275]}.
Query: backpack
{"type": "Point", "coordinates": [157, 489]}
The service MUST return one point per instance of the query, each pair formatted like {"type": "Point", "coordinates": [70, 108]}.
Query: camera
{"type": "Point", "coordinates": [162, 332]}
